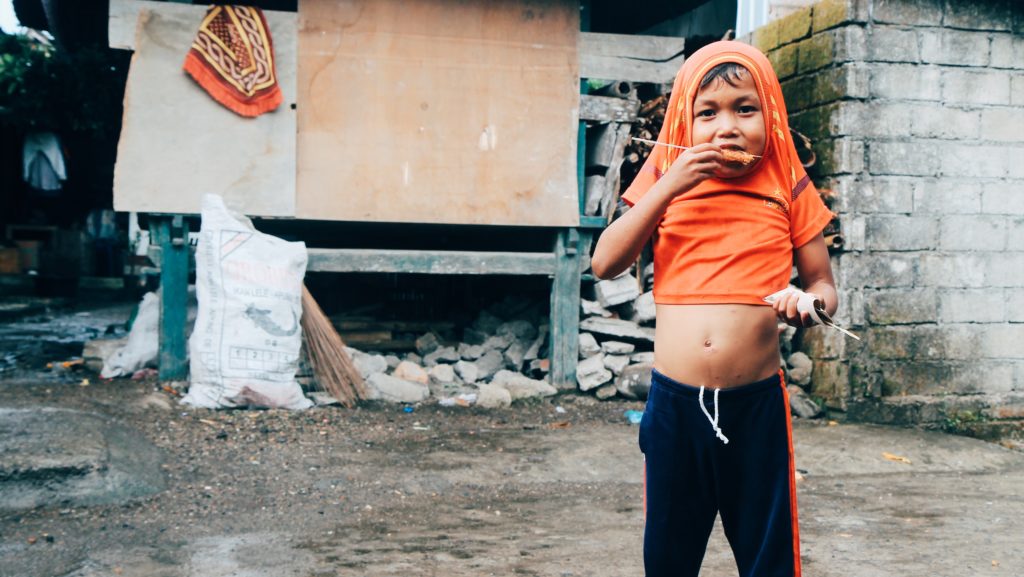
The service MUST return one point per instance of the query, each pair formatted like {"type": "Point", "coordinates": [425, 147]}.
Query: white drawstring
{"type": "Point", "coordinates": [714, 422]}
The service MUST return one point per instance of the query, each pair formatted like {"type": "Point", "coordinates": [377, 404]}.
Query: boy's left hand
{"type": "Point", "coordinates": [786, 309]}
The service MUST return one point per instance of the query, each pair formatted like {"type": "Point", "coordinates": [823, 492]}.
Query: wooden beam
{"type": "Point", "coordinates": [630, 57]}
{"type": "Point", "coordinates": [430, 261]}
{"type": "Point", "coordinates": [565, 309]}
{"type": "Point", "coordinates": [172, 236]}
{"type": "Point", "coordinates": [608, 109]}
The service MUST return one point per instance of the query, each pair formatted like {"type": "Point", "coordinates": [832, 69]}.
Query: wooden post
{"type": "Point", "coordinates": [565, 310]}
{"type": "Point", "coordinates": [171, 235]}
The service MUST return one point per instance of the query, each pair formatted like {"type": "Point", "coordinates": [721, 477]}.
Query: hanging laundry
{"type": "Point", "coordinates": [232, 58]}
{"type": "Point", "coordinates": [43, 161]}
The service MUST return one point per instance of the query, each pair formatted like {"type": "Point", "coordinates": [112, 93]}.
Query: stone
{"type": "Point", "coordinates": [414, 358]}
{"type": "Point", "coordinates": [442, 374]}
{"type": "Point", "coordinates": [411, 372]}
{"type": "Point", "coordinates": [392, 361]}
{"type": "Point", "coordinates": [427, 343]}
{"type": "Point", "coordinates": [540, 366]}
{"type": "Point", "coordinates": [443, 354]}
{"type": "Point", "coordinates": [643, 357]}
{"type": "Point", "coordinates": [522, 387]}
{"type": "Point", "coordinates": [498, 342]}
{"type": "Point", "coordinates": [468, 371]}
{"type": "Point", "coordinates": [606, 392]}
{"type": "Point", "coordinates": [489, 364]}
{"type": "Point", "coordinates": [617, 348]}
{"type": "Point", "coordinates": [588, 345]}
{"type": "Point", "coordinates": [616, 363]}
{"type": "Point", "coordinates": [591, 373]}
{"type": "Point", "coordinates": [801, 404]}
{"type": "Point", "coordinates": [520, 329]}
{"type": "Point", "coordinates": [96, 352]}
{"type": "Point", "coordinates": [515, 354]}
{"type": "Point", "coordinates": [474, 337]}
{"type": "Point", "coordinates": [617, 328]}
{"type": "Point", "coordinates": [368, 364]}
{"type": "Point", "coordinates": [487, 323]}
{"type": "Point", "coordinates": [388, 388]}
{"type": "Point", "coordinates": [800, 367]}
{"type": "Point", "coordinates": [470, 352]}
{"type": "Point", "coordinates": [635, 381]}
{"type": "Point", "coordinates": [493, 397]}
{"type": "Point", "coordinates": [593, 309]}
{"type": "Point", "coordinates": [642, 310]}
{"type": "Point", "coordinates": [533, 352]}
{"type": "Point", "coordinates": [616, 291]}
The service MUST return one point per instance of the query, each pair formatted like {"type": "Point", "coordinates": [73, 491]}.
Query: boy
{"type": "Point", "coordinates": [725, 237]}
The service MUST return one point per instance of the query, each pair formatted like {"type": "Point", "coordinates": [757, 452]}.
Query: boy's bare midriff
{"type": "Point", "coordinates": [717, 346]}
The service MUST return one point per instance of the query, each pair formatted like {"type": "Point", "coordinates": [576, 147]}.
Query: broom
{"type": "Point", "coordinates": [332, 367]}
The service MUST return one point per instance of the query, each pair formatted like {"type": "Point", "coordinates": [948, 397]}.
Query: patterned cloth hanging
{"type": "Point", "coordinates": [232, 58]}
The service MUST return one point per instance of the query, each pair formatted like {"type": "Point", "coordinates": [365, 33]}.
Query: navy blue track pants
{"type": "Point", "coordinates": [691, 475]}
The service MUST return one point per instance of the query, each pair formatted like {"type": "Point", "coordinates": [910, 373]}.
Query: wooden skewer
{"type": "Point", "coordinates": [644, 140]}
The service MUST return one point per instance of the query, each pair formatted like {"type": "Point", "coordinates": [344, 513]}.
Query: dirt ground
{"type": "Point", "coordinates": [529, 490]}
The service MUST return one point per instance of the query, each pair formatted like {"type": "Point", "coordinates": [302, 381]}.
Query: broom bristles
{"type": "Point", "coordinates": [332, 366]}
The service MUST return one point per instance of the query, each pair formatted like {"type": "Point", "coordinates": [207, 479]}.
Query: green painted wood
{"type": "Point", "coordinates": [171, 234]}
{"type": "Point", "coordinates": [430, 262]}
{"type": "Point", "coordinates": [593, 221]}
{"type": "Point", "coordinates": [565, 310]}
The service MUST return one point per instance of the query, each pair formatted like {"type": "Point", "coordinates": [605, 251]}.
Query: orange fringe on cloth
{"type": "Point", "coordinates": [232, 58]}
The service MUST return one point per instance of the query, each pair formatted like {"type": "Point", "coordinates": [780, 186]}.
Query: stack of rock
{"type": "Point", "coordinates": [502, 360]}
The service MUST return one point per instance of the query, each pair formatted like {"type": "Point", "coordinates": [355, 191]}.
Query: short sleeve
{"type": "Point", "coordinates": [808, 215]}
{"type": "Point", "coordinates": [645, 179]}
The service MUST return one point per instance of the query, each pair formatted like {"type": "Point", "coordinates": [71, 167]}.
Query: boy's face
{"type": "Point", "coordinates": [730, 117]}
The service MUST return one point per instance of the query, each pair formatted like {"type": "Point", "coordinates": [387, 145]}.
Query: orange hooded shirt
{"type": "Point", "coordinates": [730, 241]}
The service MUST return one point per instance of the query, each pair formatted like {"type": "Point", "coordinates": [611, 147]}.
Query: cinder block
{"type": "Point", "coordinates": [766, 38]}
{"type": "Point", "coordinates": [784, 60]}
{"type": "Point", "coordinates": [981, 377]}
{"type": "Point", "coordinates": [972, 160]}
{"type": "Point", "coordinates": [1007, 51]}
{"type": "Point", "coordinates": [883, 195]}
{"type": "Point", "coordinates": [892, 44]}
{"type": "Point", "coordinates": [1017, 90]}
{"type": "Point", "coordinates": [886, 119]}
{"type": "Point", "coordinates": [823, 120]}
{"type": "Point", "coordinates": [906, 81]}
{"type": "Point", "coordinates": [851, 44]}
{"type": "Point", "coordinates": [972, 305]}
{"type": "Point", "coordinates": [830, 381]}
{"type": "Point", "coordinates": [824, 344]}
{"type": "Point", "coordinates": [878, 270]}
{"type": "Point", "coordinates": [975, 86]}
{"type": "Point", "coordinates": [924, 342]}
{"type": "Point", "coordinates": [831, 13]}
{"type": "Point", "coordinates": [1015, 306]}
{"type": "Point", "coordinates": [1005, 269]}
{"type": "Point", "coordinates": [795, 26]}
{"type": "Point", "coordinates": [1002, 341]}
{"type": "Point", "coordinates": [955, 47]}
{"type": "Point", "coordinates": [972, 232]}
{"type": "Point", "coordinates": [915, 13]}
{"type": "Point", "coordinates": [914, 158]}
{"type": "Point", "coordinates": [816, 52]}
{"type": "Point", "coordinates": [902, 306]}
{"type": "Point", "coordinates": [840, 156]}
{"type": "Point", "coordinates": [948, 196]}
{"type": "Point", "coordinates": [987, 15]}
{"type": "Point", "coordinates": [956, 270]}
{"type": "Point", "coordinates": [916, 378]}
{"type": "Point", "coordinates": [1014, 232]}
{"type": "Point", "coordinates": [947, 122]}
{"type": "Point", "coordinates": [1003, 124]}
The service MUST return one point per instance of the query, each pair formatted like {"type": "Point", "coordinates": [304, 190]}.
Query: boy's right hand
{"type": "Point", "coordinates": [693, 166]}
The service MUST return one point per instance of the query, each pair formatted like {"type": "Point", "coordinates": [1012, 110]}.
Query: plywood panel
{"type": "Point", "coordinates": [438, 111]}
{"type": "Point", "coordinates": [177, 143]}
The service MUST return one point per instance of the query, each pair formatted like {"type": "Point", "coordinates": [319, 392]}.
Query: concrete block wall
{"type": "Point", "coordinates": [916, 108]}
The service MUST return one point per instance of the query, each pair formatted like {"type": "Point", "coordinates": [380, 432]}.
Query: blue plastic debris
{"type": "Point", "coordinates": [634, 417]}
{"type": "Point", "coordinates": [408, 409]}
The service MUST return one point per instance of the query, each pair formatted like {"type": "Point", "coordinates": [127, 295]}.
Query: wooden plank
{"type": "Point", "coordinates": [438, 111]}
{"type": "Point", "coordinates": [173, 358]}
{"type": "Point", "coordinates": [430, 262]}
{"type": "Point", "coordinates": [177, 143]}
{"type": "Point", "coordinates": [608, 109]}
{"type": "Point", "coordinates": [565, 311]}
{"type": "Point", "coordinates": [637, 46]}
{"type": "Point", "coordinates": [615, 68]}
